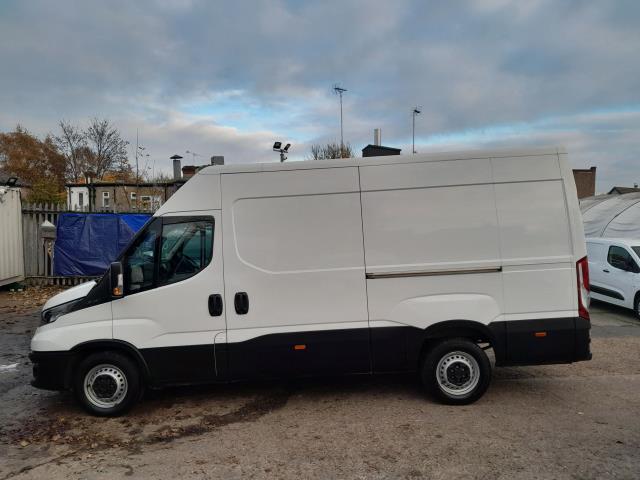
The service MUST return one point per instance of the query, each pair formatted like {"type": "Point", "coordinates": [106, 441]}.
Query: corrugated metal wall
{"type": "Point", "coordinates": [11, 253]}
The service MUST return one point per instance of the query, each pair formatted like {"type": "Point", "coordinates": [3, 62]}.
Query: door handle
{"type": "Point", "coordinates": [241, 302]}
{"type": "Point", "coordinates": [605, 270]}
{"type": "Point", "coordinates": [215, 305]}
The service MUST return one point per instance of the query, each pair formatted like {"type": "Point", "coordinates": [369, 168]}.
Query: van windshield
{"type": "Point", "coordinates": [636, 250]}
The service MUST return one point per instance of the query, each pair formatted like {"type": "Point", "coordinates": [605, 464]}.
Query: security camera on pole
{"type": "Point", "coordinates": [277, 147]}
{"type": "Point", "coordinates": [415, 113]}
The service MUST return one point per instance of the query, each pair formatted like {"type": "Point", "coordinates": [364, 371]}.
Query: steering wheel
{"type": "Point", "coordinates": [188, 262]}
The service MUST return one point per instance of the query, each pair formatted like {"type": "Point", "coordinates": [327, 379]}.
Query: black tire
{"type": "Point", "coordinates": [116, 379]}
{"type": "Point", "coordinates": [636, 306]}
{"type": "Point", "coordinates": [468, 371]}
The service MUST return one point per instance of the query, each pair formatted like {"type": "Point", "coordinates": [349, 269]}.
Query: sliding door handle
{"type": "Point", "coordinates": [241, 302]}
{"type": "Point", "coordinates": [215, 305]}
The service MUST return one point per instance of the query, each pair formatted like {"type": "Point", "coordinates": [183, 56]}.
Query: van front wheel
{"type": "Point", "coordinates": [107, 383]}
{"type": "Point", "coordinates": [456, 371]}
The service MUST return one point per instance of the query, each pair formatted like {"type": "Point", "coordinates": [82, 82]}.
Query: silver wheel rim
{"type": "Point", "coordinates": [458, 373]}
{"type": "Point", "coordinates": [105, 386]}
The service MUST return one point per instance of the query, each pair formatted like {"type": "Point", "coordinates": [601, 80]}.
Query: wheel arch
{"type": "Point", "coordinates": [83, 349]}
{"type": "Point", "coordinates": [478, 332]}
{"type": "Point", "coordinates": [636, 298]}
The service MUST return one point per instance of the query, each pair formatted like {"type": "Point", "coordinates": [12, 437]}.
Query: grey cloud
{"type": "Point", "coordinates": [469, 65]}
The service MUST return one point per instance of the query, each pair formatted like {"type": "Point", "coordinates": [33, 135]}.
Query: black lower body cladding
{"type": "Point", "coordinates": [51, 370]}
{"type": "Point", "coordinates": [363, 350]}
{"type": "Point", "coordinates": [544, 341]}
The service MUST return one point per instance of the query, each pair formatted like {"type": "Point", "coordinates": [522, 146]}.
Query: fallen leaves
{"type": "Point", "coordinates": [30, 298]}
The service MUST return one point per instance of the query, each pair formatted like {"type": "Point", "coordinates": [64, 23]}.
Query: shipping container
{"type": "Point", "coordinates": [11, 253]}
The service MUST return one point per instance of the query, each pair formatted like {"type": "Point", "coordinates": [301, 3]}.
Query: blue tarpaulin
{"type": "Point", "coordinates": [87, 243]}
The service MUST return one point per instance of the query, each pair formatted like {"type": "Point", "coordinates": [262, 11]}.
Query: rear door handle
{"type": "Point", "coordinates": [215, 305]}
{"type": "Point", "coordinates": [241, 302]}
{"type": "Point", "coordinates": [605, 270]}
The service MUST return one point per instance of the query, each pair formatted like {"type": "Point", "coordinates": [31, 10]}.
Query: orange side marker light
{"type": "Point", "coordinates": [540, 334]}
{"type": "Point", "coordinates": [299, 347]}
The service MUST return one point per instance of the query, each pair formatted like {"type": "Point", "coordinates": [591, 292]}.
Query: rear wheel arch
{"type": "Point", "coordinates": [469, 329]}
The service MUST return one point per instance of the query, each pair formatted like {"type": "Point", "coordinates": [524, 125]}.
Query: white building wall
{"type": "Point", "coordinates": [73, 198]}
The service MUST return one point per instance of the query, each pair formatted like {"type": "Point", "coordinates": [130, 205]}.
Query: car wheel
{"type": "Point", "coordinates": [107, 383]}
{"type": "Point", "coordinates": [456, 371]}
{"type": "Point", "coordinates": [636, 305]}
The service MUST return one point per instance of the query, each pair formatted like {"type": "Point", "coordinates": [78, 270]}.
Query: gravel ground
{"type": "Point", "coordinates": [561, 421]}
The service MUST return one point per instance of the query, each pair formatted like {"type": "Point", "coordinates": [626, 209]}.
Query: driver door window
{"type": "Point", "coordinates": [185, 249]}
{"type": "Point", "coordinates": [169, 250]}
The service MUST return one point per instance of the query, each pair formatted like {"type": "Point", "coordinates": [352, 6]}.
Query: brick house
{"type": "Point", "coordinates": [585, 179]}
{"type": "Point", "coordinates": [126, 196]}
{"type": "Point", "coordinates": [119, 196]}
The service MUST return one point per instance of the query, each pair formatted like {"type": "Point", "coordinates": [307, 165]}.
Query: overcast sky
{"type": "Point", "coordinates": [229, 78]}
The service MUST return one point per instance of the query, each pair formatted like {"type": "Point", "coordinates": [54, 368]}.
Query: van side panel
{"type": "Point", "coordinates": [536, 249]}
{"type": "Point", "coordinates": [541, 240]}
{"type": "Point", "coordinates": [432, 252]}
{"type": "Point", "coordinates": [293, 243]}
{"type": "Point", "coordinates": [489, 241]}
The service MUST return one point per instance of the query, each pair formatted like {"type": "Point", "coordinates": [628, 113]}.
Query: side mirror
{"type": "Point", "coordinates": [116, 280]}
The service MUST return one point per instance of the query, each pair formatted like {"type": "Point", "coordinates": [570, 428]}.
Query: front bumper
{"type": "Point", "coordinates": [51, 370]}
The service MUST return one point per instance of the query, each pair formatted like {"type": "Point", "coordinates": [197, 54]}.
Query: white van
{"type": "Point", "coordinates": [368, 265]}
{"type": "Point", "coordinates": [614, 264]}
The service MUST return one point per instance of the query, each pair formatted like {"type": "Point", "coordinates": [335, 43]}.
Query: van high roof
{"type": "Point", "coordinates": [385, 160]}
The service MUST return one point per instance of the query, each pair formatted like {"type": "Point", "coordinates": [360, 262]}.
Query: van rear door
{"type": "Point", "coordinates": [294, 272]}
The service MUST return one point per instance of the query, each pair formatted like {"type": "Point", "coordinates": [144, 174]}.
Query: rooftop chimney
{"type": "Point", "coordinates": [377, 136]}
{"type": "Point", "coordinates": [177, 170]}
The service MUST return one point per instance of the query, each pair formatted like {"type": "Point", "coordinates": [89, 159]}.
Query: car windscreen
{"type": "Point", "coordinates": [636, 250]}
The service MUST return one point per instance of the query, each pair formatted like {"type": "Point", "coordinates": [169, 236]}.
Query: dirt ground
{"type": "Point", "coordinates": [566, 421]}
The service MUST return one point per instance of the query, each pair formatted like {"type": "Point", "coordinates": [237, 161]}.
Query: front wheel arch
{"type": "Point", "coordinates": [107, 383]}
{"type": "Point", "coordinates": [85, 349]}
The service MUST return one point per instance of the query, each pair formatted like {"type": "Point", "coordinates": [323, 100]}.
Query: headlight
{"type": "Point", "coordinates": [52, 314]}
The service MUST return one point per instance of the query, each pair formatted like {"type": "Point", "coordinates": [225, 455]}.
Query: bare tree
{"type": "Point", "coordinates": [108, 148]}
{"type": "Point", "coordinates": [72, 144]}
{"type": "Point", "coordinates": [330, 150]}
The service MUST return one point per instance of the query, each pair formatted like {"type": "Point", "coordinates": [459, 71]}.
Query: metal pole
{"type": "Point", "coordinates": [341, 131]}
{"type": "Point", "coordinates": [339, 90]}
{"type": "Point", "coordinates": [415, 113]}
{"type": "Point", "coordinates": [413, 148]}
{"type": "Point", "coordinates": [137, 174]}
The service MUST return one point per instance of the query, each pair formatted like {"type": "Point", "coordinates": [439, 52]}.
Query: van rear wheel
{"type": "Point", "coordinates": [456, 371]}
{"type": "Point", "coordinates": [107, 383]}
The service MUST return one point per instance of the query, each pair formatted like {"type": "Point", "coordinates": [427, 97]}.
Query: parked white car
{"type": "Point", "coordinates": [614, 266]}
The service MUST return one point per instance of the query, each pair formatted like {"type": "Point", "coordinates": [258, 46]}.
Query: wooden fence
{"type": "Point", "coordinates": [38, 252]}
